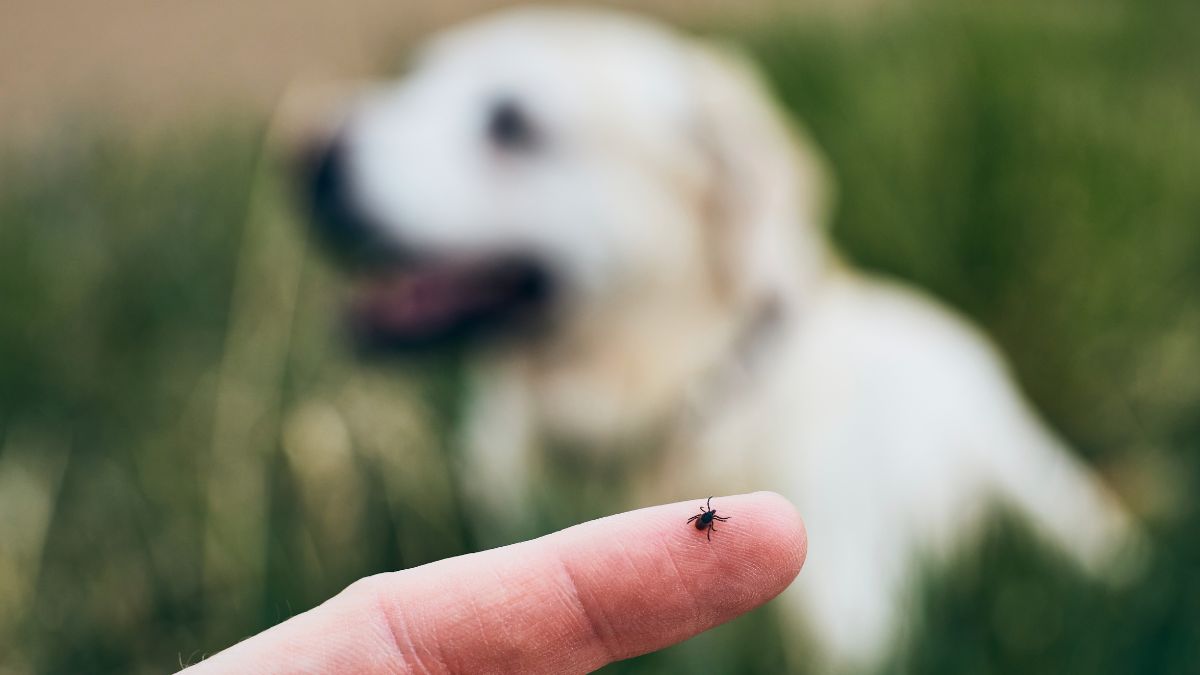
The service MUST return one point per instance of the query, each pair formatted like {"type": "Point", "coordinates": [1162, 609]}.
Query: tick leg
{"type": "Point", "coordinates": [710, 532]}
{"type": "Point", "coordinates": [722, 519]}
{"type": "Point", "coordinates": [709, 502]}
{"type": "Point", "coordinates": [692, 518]}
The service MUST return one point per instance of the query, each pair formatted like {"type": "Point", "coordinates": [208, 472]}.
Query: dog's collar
{"type": "Point", "coordinates": [736, 373]}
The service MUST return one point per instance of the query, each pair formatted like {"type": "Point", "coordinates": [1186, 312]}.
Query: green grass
{"type": "Point", "coordinates": [1034, 164]}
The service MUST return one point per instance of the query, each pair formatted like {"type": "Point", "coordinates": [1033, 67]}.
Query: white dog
{"type": "Point", "coordinates": [638, 231]}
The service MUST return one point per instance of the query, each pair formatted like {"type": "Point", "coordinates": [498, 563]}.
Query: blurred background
{"type": "Point", "coordinates": [189, 452]}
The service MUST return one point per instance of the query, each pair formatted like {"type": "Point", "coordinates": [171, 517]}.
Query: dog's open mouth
{"type": "Point", "coordinates": [435, 302]}
{"type": "Point", "coordinates": [410, 300]}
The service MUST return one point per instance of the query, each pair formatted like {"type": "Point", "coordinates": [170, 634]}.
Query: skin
{"type": "Point", "coordinates": [571, 601]}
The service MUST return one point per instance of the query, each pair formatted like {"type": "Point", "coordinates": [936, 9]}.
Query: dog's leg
{"type": "Point", "coordinates": [497, 441]}
{"type": "Point", "coordinates": [1046, 482]}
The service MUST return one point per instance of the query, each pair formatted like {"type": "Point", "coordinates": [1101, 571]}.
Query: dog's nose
{"type": "Point", "coordinates": [338, 219]}
{"type": "Point", "coordinates": [334, 215]}
{"type": "Point", "coordinates": [326, 173]}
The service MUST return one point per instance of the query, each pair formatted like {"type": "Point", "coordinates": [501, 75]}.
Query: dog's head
{"type": "Point", "coordinates": [542, 164]}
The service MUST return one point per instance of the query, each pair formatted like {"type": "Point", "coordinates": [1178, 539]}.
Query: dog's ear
{"type": "Point", "coordinates": [769, 188]}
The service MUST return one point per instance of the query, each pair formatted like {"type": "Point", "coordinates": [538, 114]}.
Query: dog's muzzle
{"type": "Point", "coordinates": [341, 225]}
{"type": "Point", "coordinates": [408, 300]}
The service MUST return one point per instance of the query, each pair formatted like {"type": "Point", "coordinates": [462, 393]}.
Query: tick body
{"type": "Point", "coordinates": [705, 519]}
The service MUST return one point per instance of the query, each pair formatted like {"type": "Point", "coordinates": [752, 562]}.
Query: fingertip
{"type": "Point", "coordinates": [774, 538]}
{"type": "Point", "coordinates": [756, 554]}
{"type": "Point", "coordinates": [789, 531]}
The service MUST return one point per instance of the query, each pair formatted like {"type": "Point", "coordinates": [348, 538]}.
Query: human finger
{"type": "Point", "coordinates": [571, 601]}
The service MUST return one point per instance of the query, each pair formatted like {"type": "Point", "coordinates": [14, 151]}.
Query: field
{"type": "Point", "coordinates": [189, 453]}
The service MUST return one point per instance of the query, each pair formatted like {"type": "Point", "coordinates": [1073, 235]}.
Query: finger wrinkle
{"type": "Point", "coordinates": [563, 593]}
{"type": "Point", "coordinates": [407, 655]}
{"type": "Point", "coordinates": [591, 615]}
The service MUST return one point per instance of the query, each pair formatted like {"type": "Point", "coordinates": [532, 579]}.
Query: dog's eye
{"type": "Point", "coordinates": [509, 128]}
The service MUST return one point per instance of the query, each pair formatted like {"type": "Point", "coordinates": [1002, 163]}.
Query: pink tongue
{"type": "Point", "coordinates": [424, 300]}
{"type": "Point", "coordinates": [413, 302]}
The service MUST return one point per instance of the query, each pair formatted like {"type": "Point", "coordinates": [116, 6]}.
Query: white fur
{"type": "Point", "coordinates": [675, 202]}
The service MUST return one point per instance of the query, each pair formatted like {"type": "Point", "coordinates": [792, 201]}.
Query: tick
{"type": "Point", "coordinates": [704, 519]}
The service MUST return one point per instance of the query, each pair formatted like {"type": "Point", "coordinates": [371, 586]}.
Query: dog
{"type": "Point", "coordinates": [628, 237]}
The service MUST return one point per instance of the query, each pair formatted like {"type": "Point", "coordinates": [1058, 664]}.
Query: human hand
{"type": "Point", "coordinates": [571, 601]}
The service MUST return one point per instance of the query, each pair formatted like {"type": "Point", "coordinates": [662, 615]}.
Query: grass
{"type": "Point", "coordinates": [164, 491]}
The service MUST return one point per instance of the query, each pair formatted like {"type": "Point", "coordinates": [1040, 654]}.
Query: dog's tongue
{"type": "Point", "coordinates": [428, 300]}
{"type": "Point", "coordinates": [414, 302]}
